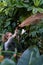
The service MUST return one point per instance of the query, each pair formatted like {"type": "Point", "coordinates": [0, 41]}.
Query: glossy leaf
{"type": "Point", "coordinates": [28, 56]}
{"type": "Point", "coordinates": [8, 62]}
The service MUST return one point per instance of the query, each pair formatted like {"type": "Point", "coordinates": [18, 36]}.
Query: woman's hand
{"type": "Point", "coordinates": [14, 55]}
{"type": "Point", "coordinates": [16, 31]}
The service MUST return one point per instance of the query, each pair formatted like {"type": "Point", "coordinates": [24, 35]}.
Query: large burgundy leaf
{"type": "Point", "coordinates": [31, 19]}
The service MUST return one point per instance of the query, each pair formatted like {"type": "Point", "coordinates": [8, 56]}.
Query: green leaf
{"type": "Point", "coordinates": [8, 62]}
{"type": "Point", "coordinates": [35, 10]}
{"type": "Point", "coordinates": [36, 2]}
{"type": "Point", "coordinates": [28, 56]}
{"type": "Point", "coordinates": [38, 61]}
{"type": "Point", "coordinates": [1, 9]}
{"type": "Point", "coordinates": [40, 10]}
{"type": "Point", "coordinates": [33, 33]}
{"type": "Point", "coordinates": [4, 3]}
{"type": "Point", "coordinates": [7, 24]}
{"type": "Point", "coordinates": [29, 8]}
{"type": "Point", "coordinates": [41, 3]}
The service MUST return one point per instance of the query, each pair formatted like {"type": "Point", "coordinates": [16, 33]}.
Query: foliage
{"type": "Point", "coordinates": [10, 12]}
{"type": "Point", "coordinates": [38, 61]}
{"type": "Point", "coordinates": [13, 12]}
{"type": "Point", "coordinates": [28, 56]}
{"type": "Point", "coordinates": [8, 62]}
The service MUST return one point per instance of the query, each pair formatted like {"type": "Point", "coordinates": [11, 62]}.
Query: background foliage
{"type": "Point", "coordinates": [13, 12]}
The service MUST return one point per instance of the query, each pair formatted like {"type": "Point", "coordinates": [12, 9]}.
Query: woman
{"type": "Point", "coordinates": [9, 44]}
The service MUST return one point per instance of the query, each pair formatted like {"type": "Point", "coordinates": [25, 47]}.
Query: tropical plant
{"type": "Point", "coordinates": [13, 13]}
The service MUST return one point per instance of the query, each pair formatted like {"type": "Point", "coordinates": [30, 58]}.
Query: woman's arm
{"type": "Point", "coordinates": [12, 37]}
